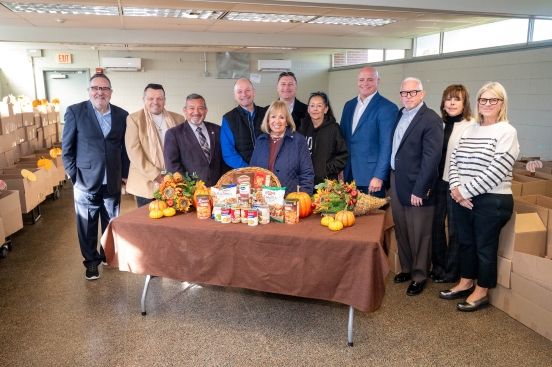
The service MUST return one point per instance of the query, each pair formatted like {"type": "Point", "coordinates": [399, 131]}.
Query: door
{"type": "Point", "coordinates": [69, 86]}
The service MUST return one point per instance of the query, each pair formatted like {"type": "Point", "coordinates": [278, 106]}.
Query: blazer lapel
{"type": "Point", "coordinates": [373, 102]}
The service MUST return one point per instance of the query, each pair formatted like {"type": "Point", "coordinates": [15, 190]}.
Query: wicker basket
{"type": "Point", "coordinates": [228, 177]}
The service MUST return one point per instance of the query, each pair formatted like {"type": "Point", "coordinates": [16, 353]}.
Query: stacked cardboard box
{"type": "Point", "coordinates": [10, 212]}
{"type": "Point", "coordinates": [524, 288]}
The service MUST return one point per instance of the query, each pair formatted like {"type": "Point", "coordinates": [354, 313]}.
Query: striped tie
{"type": "Point", "coordinates": [203, 143]}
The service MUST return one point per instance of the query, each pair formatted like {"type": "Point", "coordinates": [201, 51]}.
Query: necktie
{"type": "Point", "coordinates": [203, 143]}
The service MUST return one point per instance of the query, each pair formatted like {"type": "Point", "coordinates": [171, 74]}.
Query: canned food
{"type": "Point", "coordinates": [203, 209]}
{"type": "Point", "coordinates": [225, 215]}
{"type": "Point", "coordinates": [217, 211]}
{"type": "Point", "coordinates": [264, 214]}
{"type": "Point", "coordinates": [252, 217]}
{"type": "Point", "coordinates": [243, 216]}
{"type": "Point", "coordinates": [235, 214]}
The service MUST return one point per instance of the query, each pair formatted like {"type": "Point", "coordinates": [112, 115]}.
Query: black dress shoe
{"type": "Point", "coordinates": [402, 277]}
{"type": "Point", "coordinates": [448, 294]}
{"type": "Point", "coordinates": [473, 306]}
{"type": "Point", "coordinates": [415, 288]}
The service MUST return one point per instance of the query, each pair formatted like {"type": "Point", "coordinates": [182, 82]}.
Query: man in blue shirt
{"type": "Point", "coordinates": [241, 126]}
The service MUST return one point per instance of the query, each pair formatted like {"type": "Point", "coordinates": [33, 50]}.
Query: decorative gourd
{"type": "Point", "coordinates": [157, 205]}
{"type": "Point", "coordinates": [346, 217]}
{"type": "Point", "coordinates": [169, 212]}
{"type": "Point", "coordinates": [326, 220]}
{"type": "Point", "coordinates": [303, 201]}
{"type": "Point", "coordinates": [200, 189]}
{"type": "Point", "coordinates": [335, 225]}
{"type": "Point", "coordinates": [366, 202]}
{"type": "Point", "coordinates": [55, 152]}
{"type": "Point", "coordinates": [45, 163]}
{"type": "Point", "coordinates": [28, 175]}
{"type": "Point", "coordinates": [156, 214]}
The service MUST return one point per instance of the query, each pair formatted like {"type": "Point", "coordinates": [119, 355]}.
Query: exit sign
{"type": "Point", "coordinates": [64, 58]}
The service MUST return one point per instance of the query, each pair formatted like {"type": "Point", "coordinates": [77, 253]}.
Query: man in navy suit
{"type": "Point", "coordinates": [287, 90]}
{"type": "Point", "coordinates": [194, 146]}
{"type": "Point", "coordinates": [367, 125]}
{"type": "Point", "coordinates": [415, 156]}
{"type": "Point", "coordinates": [95, 159]}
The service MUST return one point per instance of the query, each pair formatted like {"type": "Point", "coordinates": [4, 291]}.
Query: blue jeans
{"type": "Point", "coordinates": [91, 208]}
{"type": "Point", "coordinates": [478, 231]}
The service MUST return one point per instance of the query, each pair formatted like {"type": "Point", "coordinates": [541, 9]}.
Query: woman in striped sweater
{"type": "Point", "coordinates": [480, 183]}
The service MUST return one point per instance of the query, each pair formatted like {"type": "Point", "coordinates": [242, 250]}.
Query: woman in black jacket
{"type": "Point", "coordinates": [326, 144]}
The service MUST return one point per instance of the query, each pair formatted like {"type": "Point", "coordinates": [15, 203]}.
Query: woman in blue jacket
{"type": "Point", "coordinates": [283, 151]}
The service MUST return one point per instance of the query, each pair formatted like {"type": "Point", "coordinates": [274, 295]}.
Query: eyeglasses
{"type": "Point", "coordinates": [410, 93]}
{"type": "Point", "coordinates": [103, 89]}
{"type": "Point", "coordinates": [492, 101]}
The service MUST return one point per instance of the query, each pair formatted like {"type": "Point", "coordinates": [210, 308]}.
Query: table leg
{"type": "Point", "coordinates": [350, 326]}
{"type": "Point", "coordinates": [144, 294]}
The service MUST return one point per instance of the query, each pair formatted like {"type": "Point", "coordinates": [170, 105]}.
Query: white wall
{"type": "Point", "coordinates": [526, 75]}
{"type": "Point", "coordinates": [180, 73]}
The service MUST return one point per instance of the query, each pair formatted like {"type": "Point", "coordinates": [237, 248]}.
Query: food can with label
{"type": "Point", "coordinates": [235, 213]}
{"type": "Point", "coordinates": [244, 210]}
{"type": "Point", "coordinates": [203, 209]}
{"type": "Point", "coordinates": [252, 217]}
{"type": "Point", "coordinates": [225, 215]}
{"type": "Point", "coordinates": [291, 211]}
{"type": "Point", "coordinates": [264, 214]}
{"type": "Point", "coordinates": [217, 211]}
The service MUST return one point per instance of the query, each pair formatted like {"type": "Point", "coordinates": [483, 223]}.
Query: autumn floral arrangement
{"type": "Point", "coordinates": [177, 191]}
{"type": "Point", "coordinates": [333, 196]}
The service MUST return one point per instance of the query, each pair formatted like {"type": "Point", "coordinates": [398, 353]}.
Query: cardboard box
{"type": "Point", "coordinates": [10, 212]}
{"type": "Point", "coordinates": [50, 176]}
{"type": "Point", "coordinates": [7, 159]}
{"type": "Point", "coordinates": [530, 234]}
{"type": "Point", "coordinates": [28, 118]}
{"type": "Point", "coordinates": [2, 232]}
{"type": "Point", "coordinates": [516, 188]}
{"type": "Point", "coordinates": [532, 291]}
{"type": "Point", "coordinates": [7, 142]}
{"type": "Point", "coordinates": [30, 193]}
{"type": "Point", "coordinates": [535, 268]}
{"type": "Point", "coordinates": [58, 171]}
{"type": "Point", "coordinates": [504, 271]}
{"type": "Point", "coordinates": [533, 185]}
{"type": "Point", "coordinates": [543, 204]}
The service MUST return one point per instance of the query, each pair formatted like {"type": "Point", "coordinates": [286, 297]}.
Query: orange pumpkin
{"type": "Point", "coordinates": [303, 201]}
{"type": "Point", "coordinates": [346, 217]}
{"type": "Point", "coordinates": [157, 205]}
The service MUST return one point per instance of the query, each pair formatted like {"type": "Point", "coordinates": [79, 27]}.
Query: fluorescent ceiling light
{"type": "Point", "coordinates": [171, 13]}
{"type": "Point", "coordinates": [352, 21]}
{"type": "Point", "coordinates": [272, 18]}
{"type": "Point", "coordinates": [62, 9]}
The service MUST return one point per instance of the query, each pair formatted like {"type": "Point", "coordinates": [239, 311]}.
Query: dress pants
{"type": "Point", "coordinates": [91, 207]}
{"type": "Point", "coordinates": [413, 226]}
{"type": "Point", "coordinates": [478, 233]}
{"type": "Point", "coordinates": [444, 256]}
{"type": "Point", "coordinates": [141, 201]}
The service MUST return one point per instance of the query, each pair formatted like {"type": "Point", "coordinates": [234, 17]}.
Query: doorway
{"type": "Point", "coordinates": [69, 86]}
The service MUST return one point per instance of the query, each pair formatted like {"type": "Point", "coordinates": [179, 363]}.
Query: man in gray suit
{"type": "Point", "coordinates": [194, 146]}
{"type": "Point", "coordinates": [95, 159]}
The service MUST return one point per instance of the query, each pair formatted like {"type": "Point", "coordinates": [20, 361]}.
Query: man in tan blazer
{"type": "Point", "coordinates": [144, 139]}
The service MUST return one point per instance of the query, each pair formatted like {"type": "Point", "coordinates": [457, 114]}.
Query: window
{"type": "Point", "coordinates": [355, 57]}
{"type": "Point", "coordinates": [542, 30]}
{"type": "Point", "coordinates": [500, 33]}
{"type": "Point", "coordinates": [394, 54]}
{"type": "Point", "coordinates": [427, 45]}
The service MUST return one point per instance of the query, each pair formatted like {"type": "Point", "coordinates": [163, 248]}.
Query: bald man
{"type": "Point", "coordinates": [241, 126]}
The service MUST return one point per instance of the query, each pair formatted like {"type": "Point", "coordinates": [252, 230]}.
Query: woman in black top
{"type": "Point", "coordinates": [326, 144]}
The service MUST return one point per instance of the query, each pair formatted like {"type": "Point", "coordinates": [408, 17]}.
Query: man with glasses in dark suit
{"type": "Point", "coordinates": [95, 158]}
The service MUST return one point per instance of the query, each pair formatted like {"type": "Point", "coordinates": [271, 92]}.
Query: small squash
{"type": "Point", "coordinates": [335, 225]}
{"type": "Point", "coordinates": [169, 212]}
{"type": "Point", "coordinates": [156, 214]}
{"type": "Point", "coordinates": [303, 201]}
{"type": "Point", "coordinates": [28, 175]}
{"type": "Point", "coordinates": [157, 205]}
{"type": "Point", "coordinates": [45, 163]}
{"type": "Point", "coordinates": [346, 217]}
{"type": "Point", "coordinates": [326, 220]}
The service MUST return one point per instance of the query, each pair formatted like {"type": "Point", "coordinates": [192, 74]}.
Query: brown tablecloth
{"type": "Point", "coordinates": [304, 259]}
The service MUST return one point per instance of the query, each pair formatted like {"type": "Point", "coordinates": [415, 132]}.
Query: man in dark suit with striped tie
{"type": "Point", "coordinates": [194, 146]}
